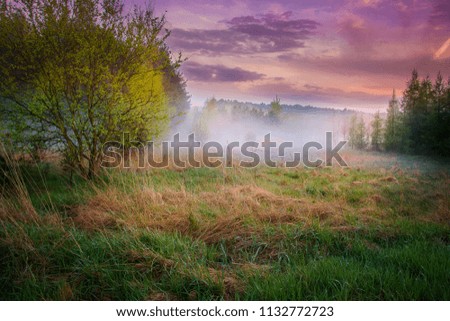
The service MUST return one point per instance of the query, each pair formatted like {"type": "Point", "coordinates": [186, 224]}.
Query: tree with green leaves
{"type": "Point", "coordinates": [416, 103]}
{"type": "Point", "coordinates": [204, 118]}
{"type": "Point", "coordinates": [393, 127]}
{"type": "Point", "coordinates": [426, 116]}
{"type": "Point", "coordinates": [275, 110]}
{"type": "Point", "coordinates": [357, 133]}
{"type": "Point", "coordinates": [76, 74]}
{"type": "Point", "coordinates": [437, 132]}
{"type": "Point", "coordinates": [376, 140]}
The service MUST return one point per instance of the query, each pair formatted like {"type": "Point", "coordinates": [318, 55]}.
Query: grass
{"type": "Point", "coordinates": [379, 231]}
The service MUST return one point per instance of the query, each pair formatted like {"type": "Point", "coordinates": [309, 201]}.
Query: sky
{"type": "Point", "coordinates": [326, 53]}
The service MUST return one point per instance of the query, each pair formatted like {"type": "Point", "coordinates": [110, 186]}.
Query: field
{"type": "Point", "coordinates": [376, 230]}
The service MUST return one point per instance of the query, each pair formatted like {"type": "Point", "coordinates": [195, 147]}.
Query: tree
{"type": "Point", "coordinates": [416, 104]}
{"type": "Point", "coordinates": [437, 127]}
{"type": "Point", "coordinates": [377, 132]}
{"type": "Point", "coordinates": [275, 110]}
{"type": "Point", "coordinates": [426, 118]}
{"type": "Point", "coordinates": [357, 133]}
{"type": "Point", "coordinates": [393, 128]}
{"type": "Point", "coordinates": [76, 74]}
{"type": "Point", "coordinates": [203, 119]}
{"type": "Point", "coordinates": [178, 99]}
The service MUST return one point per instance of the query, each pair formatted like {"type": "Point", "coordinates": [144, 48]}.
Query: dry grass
{"type": "Point", "coordinates": [442, 211]}
{"type": "Point", "coordinates": [15, 202]}
{"type": "Point", "coordinates": [235, 212]}
{"type": "Point", "coordinates": [236, 208]}
{"type": "Point", "coordinates": [13, 211]}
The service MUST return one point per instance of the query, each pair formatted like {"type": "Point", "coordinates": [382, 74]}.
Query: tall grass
{"type": "Point", "coordinates": [229, 233]}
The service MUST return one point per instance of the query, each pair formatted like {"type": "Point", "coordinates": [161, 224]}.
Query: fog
{"type": "Point", "coordinates": [231, 121]}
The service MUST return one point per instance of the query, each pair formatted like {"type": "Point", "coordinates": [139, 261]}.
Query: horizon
{"type": "Point", "coordinates": [382, 111]}
{"type": "Point", "coordinates": [331, 54]}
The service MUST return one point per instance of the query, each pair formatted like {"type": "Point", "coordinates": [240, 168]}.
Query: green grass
{"type": "Point", "coordinates": [328, 234]}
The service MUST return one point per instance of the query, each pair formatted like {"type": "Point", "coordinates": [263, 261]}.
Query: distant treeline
{"type": "Point", "coordinates": [418, 124]}
{"type": "Point", "coordinates": [263, 109]}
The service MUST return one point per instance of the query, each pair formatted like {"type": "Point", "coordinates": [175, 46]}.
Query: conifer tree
{"type": "Point", "coordinates": [377, 132]}
{"type": "Point", "coordinates": [393, 130]}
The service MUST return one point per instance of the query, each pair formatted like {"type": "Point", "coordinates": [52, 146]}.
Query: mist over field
{"type": "Point", "coordinates": [242, 122]}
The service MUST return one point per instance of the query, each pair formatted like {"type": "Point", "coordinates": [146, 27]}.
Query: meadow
{"type": "Point", "coordinates": [376, 230]}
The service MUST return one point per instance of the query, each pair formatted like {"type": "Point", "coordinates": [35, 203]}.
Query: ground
{"type": "Point", "coordinates": [376, 230]}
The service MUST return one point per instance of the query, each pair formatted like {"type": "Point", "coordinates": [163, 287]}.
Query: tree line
{"type": "Point", "coordinates": [418, 124]}
{"type": "Point", "coordinates": [271, 114]}
{"type": "Point", "coordinates": [78, 73]}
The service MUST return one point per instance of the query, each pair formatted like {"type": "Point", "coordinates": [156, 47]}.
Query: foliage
{"type": "Point", "coordinates": [76, 74]}
{"type": "Point", "coordinates": [275, 110]}
{"type": "Point", "coordinates": [426, 116]}
{"type": "Point", "coordinates": [357, 133]}
{"type": "Point", "coordinates": [376, 138]}
{"type": "Point", "coordinates": [393, 127]}
{"type": "Point", "coordinates": [203, 119]}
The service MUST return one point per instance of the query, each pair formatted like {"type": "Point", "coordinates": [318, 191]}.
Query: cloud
{"type": "Point", "coordinates": [218, 73]}
{"type": "Point", "coordinates": [369, 3]}
{"type": "Point", "coordinates": [246, 35]}
{"type": "Point", "coordinates": [359, 46]}
{"type": "Point", "coordinates": [351, 65]}
{"type": "Point", "coordinates": [356, 32]}
{"type": "Point", "coordinates": [311, 94]}
{"type": "Point", "coordinates": [312, 87]}
{"type": "Point", "coordinates": [440, 17]}
{"type": "Point", "coordinates": [443, 51]}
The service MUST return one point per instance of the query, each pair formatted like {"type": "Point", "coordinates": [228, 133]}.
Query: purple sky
{"type": "Point", "coordinates": [321, 52]}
